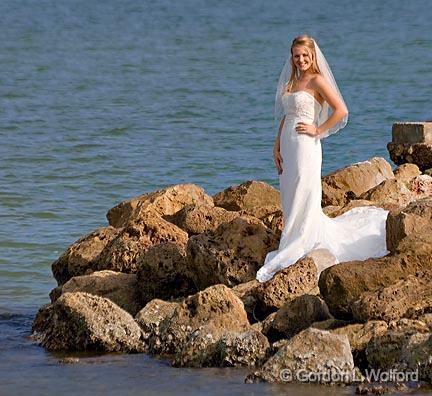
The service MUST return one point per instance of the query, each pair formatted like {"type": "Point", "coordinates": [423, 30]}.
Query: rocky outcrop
{"type": "Point", "coordinates": [231, 254]}
{"type": "Point", "coordinates": [120, 288]}
{"type": "Point", "coordinates": [166, 201]}
{"type": "Point", "coordinates": [345, 184]}
{"type": "Point", "coordinates": [310, 356]}
{"type": "Point", "coordinates": [81, 321]}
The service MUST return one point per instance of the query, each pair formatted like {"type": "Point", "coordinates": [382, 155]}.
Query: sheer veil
{"type": "Point", "coordinates": [326, 110]}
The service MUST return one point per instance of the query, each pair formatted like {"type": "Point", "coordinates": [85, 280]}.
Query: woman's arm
{"type": "Point", "coordinates": [277, 141]}
{"type": "Point", "coordinates": [332, 98]}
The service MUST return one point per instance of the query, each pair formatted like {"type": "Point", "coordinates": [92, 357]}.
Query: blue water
{"type": "Point", "coordinates": [102, 101]}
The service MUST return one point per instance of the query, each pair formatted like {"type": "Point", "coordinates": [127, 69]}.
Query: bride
{"type": "Point", "coordinates": [310, 107]}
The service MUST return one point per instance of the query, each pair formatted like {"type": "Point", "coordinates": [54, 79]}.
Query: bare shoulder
{"type": "Point", "coordinates": [318, 81]}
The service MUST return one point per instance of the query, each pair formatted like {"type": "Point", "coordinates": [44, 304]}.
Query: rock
{"type": "Point", "coordinates": [333, 211]}
{"type": "Point", "coordinates": [427, 319]}
{"type": "Point", "coordinates": [274, 221]}
{"type": "Point", "coordinates": [428, 172]}
{"type": "Point", "coordinates": [343, 283]}
{"type": "Point", "coordinates": [150, 319]}
{"type": "Point", "coordinates": [297, 315]}
{"type": "Point", "coordinates": [232, 349]}
{"type": "Point", "coordinates": [411, 143]}
{"type": "Point", "coordinates": [216, 308]}
{"type": "Point", "coordinates": [164, 273]}
{"type": "Point", "coordinates": [248, 293]}
{"type": "Point", "coordinates": [82, 256]}
{"type": "Point", "coordinates": [310, 356]}
{"type": "Point", "coordinates": [120, 288]}
{"type": "Point", "coordinates": [406, 172]}
{"type": "Point", "coordinates": [401, 351]}
{"type": "Point", "coordinates": [165, 201]}
{"type": "Point", "coordinates": [255, 198]}
{"type": "Point", "coordinates": [414, 218]}
{"type": "Point", "coordinates": [123, 253]}
{"type": "Point", "coordinates": [329, 324]}
{"type": "Point", "coordinates": [356, 178]}
{"type": "Point", "coordinates": [196, 219]}
{"type": "Point", "coordinates": [231, 254]}
{"type": "Point", "coordinates": [84, 322]}
{"type": "Point", "coordinates": [287, 284]}
{"type": "Point", "coordinates": [408, 297]}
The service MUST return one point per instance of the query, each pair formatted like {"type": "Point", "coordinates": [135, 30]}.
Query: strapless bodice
{"type": "Point", "coordinates": [301, 105]}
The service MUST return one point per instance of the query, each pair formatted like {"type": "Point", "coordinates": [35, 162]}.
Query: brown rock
{"type": "Point", "coordinates": [81, 257]}
{"type": "Point", "coordinates": [231, 254]}
{"type": "Point", "coordinates": [123, 252]}
{"type": "Point", "coordinates": [163, 273]}
{"type": "Point", "coordinates": [416, 153]}
{"type": "Point", "coordinates": [165, 201]}
{"type": "Point", "coordinates": [297, 315]}
{"type": "Point", "coordinates": [408, 297]}
{"type": "Point", "coordinates": [414, 218]}
{"type": "Point", "coordinates": [85, 322]}
{"type": "Point", "coordinates": [343, 283]}
{"type": "Point", "coordinates": [196, 219]}
{"type": "Point", "coordinates": [248, 293]}
{"type": "Point", "coordinates": [356, 178]}
{"type": "Point", "coordinates": [255, 198]}
{"type": "Point", "coordinates": [406, 171]}
{"type": "Point", "coordinates": [120, 288]}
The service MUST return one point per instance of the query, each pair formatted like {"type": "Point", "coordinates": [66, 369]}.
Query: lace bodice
{"type": "Point", "coordinates": [301, 105]}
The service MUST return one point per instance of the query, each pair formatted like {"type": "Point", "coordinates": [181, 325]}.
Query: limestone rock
{"type": "Point", "coordinates": [255, 198]}
{"type": "Point", "coordinates": [118, 287]}
{"type": "Point", "coordinates": [406, 171]}
{"type": "Point", "coordinates": [231, 254]}
{"type": "Point", "coordinates": [356, 178]}
{"type": "Point", "coordinates": [84, 322]}
{"type": "Point", "coordinates": [165, 201]}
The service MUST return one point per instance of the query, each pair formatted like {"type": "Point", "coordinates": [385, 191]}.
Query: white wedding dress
{"type": "Point", "coordinates": [357, 234]}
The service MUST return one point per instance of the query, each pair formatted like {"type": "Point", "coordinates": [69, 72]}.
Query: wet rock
{"type": "Point", "coordinates": [118, 287]}
{"type": "Point", "coordinates": [343, 283]}
{"type": "Point", "coordinates": [255, 198]}
{"type": "Point", "coordinates": [82, 256]}
{"type": "Point", "coordinates": [414, 218]}
{"type": "Point", "coordinates": [409, 297]}
{"type": "Point", "coordinates": [84, 322]}
{"type": "Point", "coordinates": [345, 184]}
{"type": "Point", "coordinates": [305, 357]}
{"type": "Point", "coordinates": [216, 308]}
{"type": "Point", "coordinates": [164, 273]}
{"type": "Point", "coordinates": [165, 201]}
{"type": "Point", "coordinates": [231, 254]}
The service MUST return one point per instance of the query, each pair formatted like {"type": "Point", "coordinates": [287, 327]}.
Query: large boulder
{"type": "Point", "coordinates": [120, 288]}
{"type": "Point", "coordinates": [196, 219]}
{"type": "Point", "coordinates": [343, 283]}
{"type": "Point", "coordinates": [231, 254]}
{"type": "Point", "coordinates": [164, 274]}
{"type": "Point", "coordinates": [347, 183]}
{"type": "Point", "coordinates": [297, 315]}
{"type": "Point", "coordinates": [216, 308]}
{"type": "Point", "coordinates": [165, 201]}
{"type": "Point", "coordinates": [84, 322]}
{"type": "Point", "coordinates": [123, 253]}
{"type": "Point", "coordinates": [410, 297]}
{"type": "Point", "coordinates": [406, 171]}
{"type": "Point", "coordinates": [255, 198]}
{"type": "Point", "coordinates": [414, 218]}
{"type": "Point", "coordinates": [310, 356]}
{"type": "Point", "coordinates": [82, 256]}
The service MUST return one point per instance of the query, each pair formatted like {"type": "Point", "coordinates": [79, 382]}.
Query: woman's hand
{"type": "Point", "coordinates": [277, 159]}
{"type": "Point", "coordinates": [308, 129]}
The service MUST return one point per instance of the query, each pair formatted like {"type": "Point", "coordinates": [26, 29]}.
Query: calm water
{"type": "Point", "coordinates": [102, 101]}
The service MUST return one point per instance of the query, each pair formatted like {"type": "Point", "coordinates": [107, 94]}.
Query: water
{"type": "Point", "coordinates": [102, 101]}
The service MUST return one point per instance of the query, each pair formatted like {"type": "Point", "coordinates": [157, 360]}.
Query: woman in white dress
{"type": "Point", "coordinates": [311, 107]}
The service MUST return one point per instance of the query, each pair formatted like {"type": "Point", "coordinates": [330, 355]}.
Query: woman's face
{"type": "Point", "coordinates": [301, 57]}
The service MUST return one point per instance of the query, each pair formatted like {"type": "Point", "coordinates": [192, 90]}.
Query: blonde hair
{"type": "Point", "coordinates": [306, 41]}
